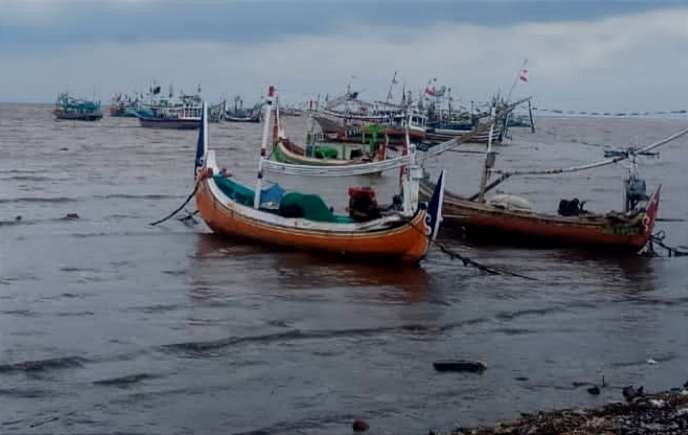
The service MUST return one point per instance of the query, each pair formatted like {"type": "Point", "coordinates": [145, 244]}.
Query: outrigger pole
{"type": "Point", "coordinates": [505, 173]}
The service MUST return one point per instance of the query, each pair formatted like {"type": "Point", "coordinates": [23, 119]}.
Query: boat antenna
{"type": "Point", "coordinates": [263, 146]}
{"type": "Point", "coordinates": [391, 85]}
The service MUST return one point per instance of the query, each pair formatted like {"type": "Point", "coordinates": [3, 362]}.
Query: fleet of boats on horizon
{"type": "Point", "coordinates": [347, 136]}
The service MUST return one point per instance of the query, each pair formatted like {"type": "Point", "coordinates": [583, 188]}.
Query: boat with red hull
{"type": "Point", "coordinates": [619, 231]}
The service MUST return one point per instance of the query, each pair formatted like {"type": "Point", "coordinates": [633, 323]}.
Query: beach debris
{"type": "Point", "coordinates": [17, 218]}
{"type": "Point", "coordinates": [652, 414]}
{"type": "Point", "coordinates": [631, 393]}
{"type": "Point", "coordinates": [360, 426]}
{"type": "Point", "coordinates": [594, 390]}
{"type": "Point", "coordinates": [459, 365]}
{"type": "Point", "coordinates": [71, 216]}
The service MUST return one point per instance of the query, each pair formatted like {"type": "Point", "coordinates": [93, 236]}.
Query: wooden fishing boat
{"type": "Point", "coordinates": [287, 151]}
{"type": "Point", "coordinates": [234, 118]}
{"type": "Point", "coordinates": [182, 113]}
{"type": "Point", "coordinates": [614, 230]}
{"type": "Point", "coordinates": [354, 132]}
{"type": "Point", "coordinates": [241, 114]}
{"type": "Point", "coordinates": [437, 135]}
{"type": "Point", "coordinates": [124, 106]}
{"type": "Point", "coordinates": [169, 123]}
{"type": "Point", "coordinates": [76, 109]}
{"type": "Point", "coordinates": [233, 209]}
{"type": "Point", "coordinates": [507, 218]}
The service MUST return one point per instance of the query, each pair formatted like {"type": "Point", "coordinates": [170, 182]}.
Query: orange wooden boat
{"type": "Point", "coordinates": [232, 209]}
{"type": "Point", "coordinates": [613, 231]}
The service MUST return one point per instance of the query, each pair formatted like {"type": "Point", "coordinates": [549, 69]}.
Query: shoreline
{"type": "Point", "coordinates": [664, 412]}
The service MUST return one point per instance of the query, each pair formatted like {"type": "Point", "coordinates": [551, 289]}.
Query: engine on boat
{"type": "Point", "coordinates": [572, 207]}
{"type": "Point", "coordinates": [362, 204]}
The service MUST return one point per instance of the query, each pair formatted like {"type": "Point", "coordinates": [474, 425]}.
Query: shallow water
{"type": "Point", "coordinates": [108, 324]}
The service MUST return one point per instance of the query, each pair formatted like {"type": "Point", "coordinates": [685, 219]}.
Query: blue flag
{"type": "Point", "coordinates": [202, 143]}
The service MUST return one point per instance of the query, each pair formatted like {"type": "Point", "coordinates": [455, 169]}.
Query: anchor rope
{"type": "Point", "coordinates": [177, 210]}
{"type": "Point", "coordinates": [469, 262]}
{"type": "Point", "coordinates": [658, 238]}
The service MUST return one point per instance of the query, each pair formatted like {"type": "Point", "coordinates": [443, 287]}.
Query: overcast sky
{"type": "Point", "coordinates": [582, 55]}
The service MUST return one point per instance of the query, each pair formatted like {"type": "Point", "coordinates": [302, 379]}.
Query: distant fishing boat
{"type": "Point", "coordinates": [124, 106]}
{"type": "Point", "coordinates": [183, 113]}
{"type": "Point", "coordinates": [442, 132]}
{"type": "Point", "coordinates": [241, 114]}
{"type": "Point", "coordinates": [287, 151]}
{"type": "Point", "coordinates": [304, 221]}
{"type": "Point", "coordinates": [76, 109]}
{"type": "Point", "coordinates": [216, 112]}
{"type": "Point", "coordinates": [343, 127]}
{"type": "Point", "coordinates": [324, 154]}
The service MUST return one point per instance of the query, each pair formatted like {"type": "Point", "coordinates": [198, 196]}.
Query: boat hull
{"type": "Point", "coordinates": [335, 132]}
{"type": "Point", "coordinates": [292, 153]}
{"type": "Point", "coordinates": [174, 124]}
{"type": "Point", "coordinates": [253, 119]}
{"type": "Point", "coordinates": [486, 222]}
{"type": "Point", "coordinates": [481, 136]}
{"type": "Point", "coordinates": [78, 116]}
{"type": "Point", "coordinates": [407, 241]}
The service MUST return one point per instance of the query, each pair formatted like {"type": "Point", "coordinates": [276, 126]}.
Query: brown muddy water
{"type": "Point", "coordinates": [110, 325]}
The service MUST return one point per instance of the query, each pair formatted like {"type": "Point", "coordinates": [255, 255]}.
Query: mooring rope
{"type": "Point", "coordinates": [171, 215]}
{"type": "Point", "coordinates": [469, 262]}
{"type": "Point", "coordinates": [472, 263]}
{"type": "Point", "coordinates": [658, 238]}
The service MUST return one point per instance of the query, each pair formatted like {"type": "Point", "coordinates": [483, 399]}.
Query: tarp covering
{"type": "Point", "coordinates": [325, 152]}
{"type": "Point", "coordinates": [239, 193]}
{"type": "Point", "coordinates": [292, 204]}
{"type": "Point", "coordinates": [310, 207]}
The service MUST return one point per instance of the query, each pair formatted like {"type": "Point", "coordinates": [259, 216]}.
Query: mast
{"type": "Point", "coordinates": [518, 75]}
{"type": "Point", "coordinates": [391, 85]}
{"type": "Point", "coordinates": [263, 146]}
{"type": "Point", "coordinates": [410, 175]}
{"type": "Point", "coordinates": [489, 158]}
